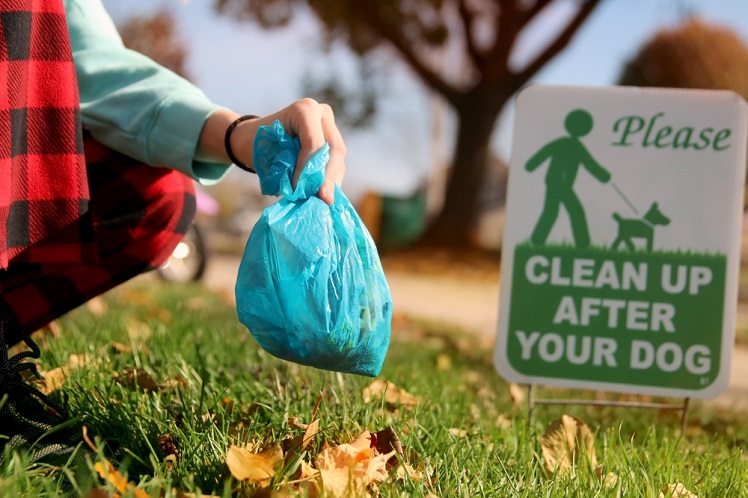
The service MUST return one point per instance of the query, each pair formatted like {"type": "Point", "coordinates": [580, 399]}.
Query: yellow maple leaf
{"type": "Point", "coordinates": [349, 469]}
{"type": "Point", "coordinates": [257, 468]}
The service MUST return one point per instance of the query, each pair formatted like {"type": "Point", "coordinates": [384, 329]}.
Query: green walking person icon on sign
{"type": "Point", "coordinates": [566, 154]}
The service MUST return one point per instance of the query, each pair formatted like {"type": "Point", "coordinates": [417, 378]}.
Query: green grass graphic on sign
{"type": "Point", "coordinates": [643, 318]}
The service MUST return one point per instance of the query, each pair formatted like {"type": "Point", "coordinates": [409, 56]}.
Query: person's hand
{"type": "Point", "coordinates": [311, 121]}
{"type": "Point", "coordinates": [314, 124]}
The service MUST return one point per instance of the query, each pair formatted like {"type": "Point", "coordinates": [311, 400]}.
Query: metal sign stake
{"type": "Point", "coordinates": [683, 408]}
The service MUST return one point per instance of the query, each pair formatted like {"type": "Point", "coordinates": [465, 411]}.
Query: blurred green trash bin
{"type": "Point", "coordinates": [403, 219]}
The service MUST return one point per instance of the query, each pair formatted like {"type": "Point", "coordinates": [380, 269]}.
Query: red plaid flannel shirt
{"type": "Point", "coordinates": [44, 216]}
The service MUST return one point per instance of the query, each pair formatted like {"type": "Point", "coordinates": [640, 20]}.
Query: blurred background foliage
{"type": "Point", "coordinates": [461, 51]}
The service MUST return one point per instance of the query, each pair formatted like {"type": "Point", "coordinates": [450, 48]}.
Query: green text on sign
{"type": "Point", "coordinates": [642, 318]}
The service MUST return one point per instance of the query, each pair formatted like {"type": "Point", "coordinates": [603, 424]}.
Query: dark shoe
{"type": "Point", "coordinates": [28, 418]}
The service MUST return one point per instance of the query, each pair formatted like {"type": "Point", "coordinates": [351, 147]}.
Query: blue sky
{"type": "Point", "coordinates": [257, 72]}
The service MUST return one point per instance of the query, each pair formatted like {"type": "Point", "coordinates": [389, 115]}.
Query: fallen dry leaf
{"type": "Point", "coordinates": [309, 433]}
{"type": "Point", "coordinates": [196, 303]}
{"type": "Point", "coordinates": [386, 441]}
{"type": "Point", "coordinates": [177, 381]}
{"type": "Point", "coordinates": [473, 377]}
{"type": "Point", "coordinates": [134, 378]}
{"type": "Point", "coordinates": [302, 441]}
{"type": "Point", "coordinates": [136, 297]}
{"type": "Point", "coordinates": [349, 469]}
{"type": "Point", "coordinates": [226, 403]}
{"type": "Point", "coordinates": [257, 468]}
{"type": "Point", "coordinates": [96, 306]}
{"type": "Point", "coordinates": [362, 442]}
{"type": "Point", "coordinates": [407, 470]}
{"type": "Point", "coordinates": [306, 471]}
{"type": "Point", "coordinates": [167, 445]}
{"type": "Point", "coordinates": [677, 490]}
{"type": "Point", "coordinates": [52, 380]}
{"type": "Point", "coordinates": [443, 362]}
{"type": "Point", "coordinates": [113, 477]}
{"type": "Point", "coordinates": [226, 296]}
{"type": "Point", "coordinates": [611, 479]}
{"type": "Point", "coordinates": [79, 360]}
{"type": "Point", "coordinates": [310, 430]}
{"type": "Point", "coordinates": [295, 423]}
{"type": "Point", "coordinates": [161, 314]}
{"type": "Point", "coordinates": [109, 474]}
{"type": "Point", "coordinates": [564, 441]}
{"type": "Point", "coordinates": [98, 493]}
{"type": "Point", "coordinates": [503, 422]}
{"type": "Point", "coordinates": [120, 347]}
{"type": "Point", "coordinates": [183, 494]}
{"type": "Point", "coordinates": [516, 394]}
{"type": "Point", "coordinates": [393, 395]}
{"type": "Point", "coordinates": [54, 328]}
{"type": "Point", "coordinates": [458, 432]}
{"type": "Point", "coordinates": [137, 330]}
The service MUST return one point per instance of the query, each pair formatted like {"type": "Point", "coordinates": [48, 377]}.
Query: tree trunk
{"type": "Point", "coordinates": [455, 224]}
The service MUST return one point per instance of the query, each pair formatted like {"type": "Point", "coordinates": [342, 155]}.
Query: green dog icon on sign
{"type": "Point", "coordinates": [566, 155]}
{"type": "Point", "coordinates": [639, 228]}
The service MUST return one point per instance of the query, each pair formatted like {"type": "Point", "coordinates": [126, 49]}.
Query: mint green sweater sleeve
{"type": "Point", "coordinates": [133, 105]}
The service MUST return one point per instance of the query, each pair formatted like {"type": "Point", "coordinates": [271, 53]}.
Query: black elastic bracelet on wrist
{"type": "Point", "coordinates": [227, 142]}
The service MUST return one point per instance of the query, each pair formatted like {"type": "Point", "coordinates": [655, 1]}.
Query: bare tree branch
{"type": "Point", "coordinates": [532, 11]}
{"type": "Point", "coordinates": [508, 26]}
{"type": "Point", "coordinates": [468, 18]}
{"type": "Point", "coordinates": [558, 44]}
{"type": "Point", "coordinates": [393, 35]}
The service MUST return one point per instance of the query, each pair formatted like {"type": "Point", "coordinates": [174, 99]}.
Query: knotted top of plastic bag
{"type": "Point", "coordinates": [274, 160]}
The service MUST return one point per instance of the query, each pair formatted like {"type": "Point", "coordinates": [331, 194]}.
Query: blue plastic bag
{"type": "Point", "coordinates": [311, 288]}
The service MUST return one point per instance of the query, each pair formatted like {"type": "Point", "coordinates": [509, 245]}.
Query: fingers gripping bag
{"type": "Point", "coordinates": [310, 287]}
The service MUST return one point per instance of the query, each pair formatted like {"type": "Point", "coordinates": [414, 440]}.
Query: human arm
{"type": "Point", "coordinates": [135, 106]}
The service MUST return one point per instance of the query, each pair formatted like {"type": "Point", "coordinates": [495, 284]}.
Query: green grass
{"type": "Point", "coordinates": [192, 334]}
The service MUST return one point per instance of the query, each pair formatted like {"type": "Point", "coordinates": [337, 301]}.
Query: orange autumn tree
{"type": "Point", "coordinates": [483, 32]}
{"type": "Point", "coordinates": [694, 54]}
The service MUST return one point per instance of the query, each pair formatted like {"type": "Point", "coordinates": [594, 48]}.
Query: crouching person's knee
{"type": "Point", "coordinates": [140, 212]}
{"type": "Point", "coordinates": [167, 216]}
